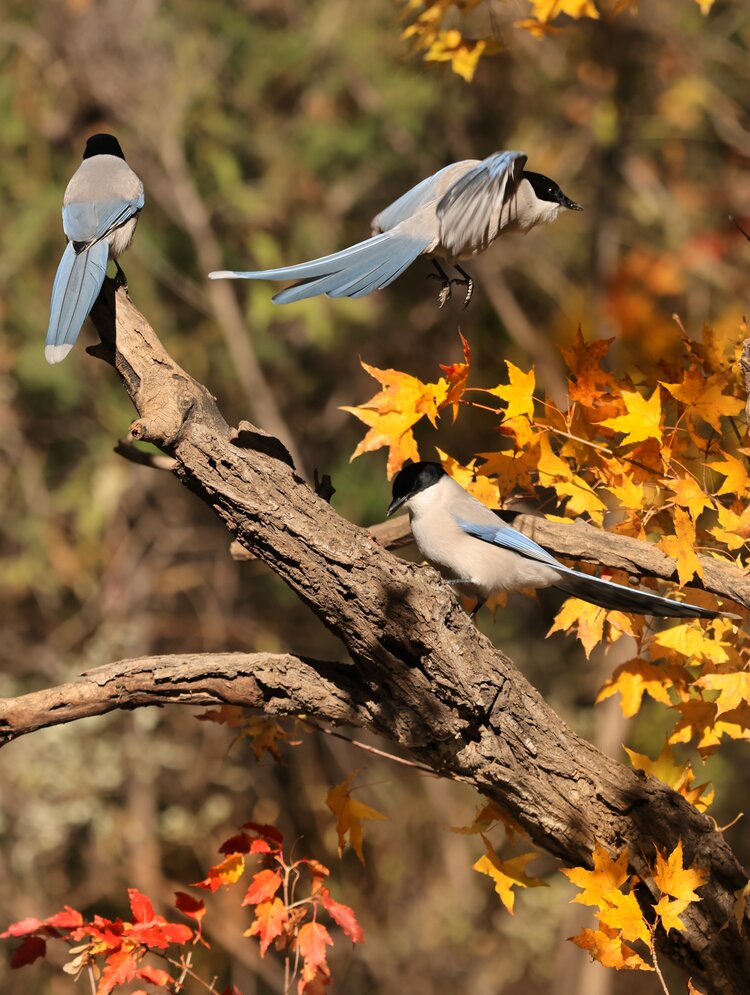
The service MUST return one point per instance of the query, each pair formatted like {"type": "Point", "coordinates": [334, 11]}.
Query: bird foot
{"type": "Point", "coordinates": [445, 288]}
{"type": "Point", "coordinates": [120, 279]}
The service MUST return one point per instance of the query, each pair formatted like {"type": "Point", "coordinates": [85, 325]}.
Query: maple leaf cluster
{"type": "Point", "coordinates": [113, 949]}
{"type": "Point", "coordinates": [665, 464]}
{"type": "Point", "coordinates": [284, 913]}
{"type": "Point", "coordinates": [428, 29]}
{"type": "Point", "coordinates": [620, 914]}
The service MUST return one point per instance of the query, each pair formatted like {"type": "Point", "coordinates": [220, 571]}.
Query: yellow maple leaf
{"type": "Point", "coordinates": [700, 722]}
{"type": "Point", "coordinates": [629, 494]}
{"type": "Point", "coordinates": [689, 494]}
{"type": "Point", "coordinates": [669, 911]}
{"type": "Point", "coordinates": [462, 53]}
{"type": "Point", "coordinates": [733, 688]}
{"type": "Point", "coordinates": [673, 879]}
{"type": "Point", "coordinates": [703, 396]}
{"type": "Point", "coordinates": [350, 814]}
{"type": "Point", "coordinates": [691, 989]}
{"type": "Point", "coordinates": [632, 680]}
{"type": "Point", "coordinates": [546, 10]}
{"type": "Point", "coordinates": [681, 547]}
{"type": "Point", "coordinates": [625, 914]}
{"type": "Point", "coordinates": [518, 393]}
{"type": "Point", "coordinates": [538, 29]}
{"type": "Point", "coordinates": [507, 874]}
{"type": "Point", "coordinates": [643, 418]}
{"type": "Point", "coordinates": [588, 620]}
{"type": "Point", "coordinates": [393, 411]}
{"type": "Point", "coordinates": [733, 530]}
{"type": "Point", "coordinates": [487, 816]}
{"type": "Point", "coordinates": [607, 876]}
{"type": "Point", "coordinates": [556, 473]}
{"type": "Point", "coordinates": [480, 486]}
{"type": "Point", "coordinates": [705, 5]}
{"type": "Point", "coordinates": [735, 472]}
{"type": "Point", "coordinates": [606, 946]}
{"type": "Point", "coordinates": [694, 642]}
{"type": "Point", "coordinates": [680, 777]}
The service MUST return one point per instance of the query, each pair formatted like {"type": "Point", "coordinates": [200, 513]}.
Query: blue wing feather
{"type": "Point", "coordinates": [509, 538]}
{"type": "Point", "coordinates": [89, 221]}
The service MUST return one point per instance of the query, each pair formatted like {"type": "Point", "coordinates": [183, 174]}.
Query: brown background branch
{"type": "Point", "coordinates": [421, 673]}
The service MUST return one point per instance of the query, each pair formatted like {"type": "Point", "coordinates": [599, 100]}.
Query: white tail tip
{"type": "Point", "coordinates": [223, 274]}
{"type": "Point", "coordinates": [56, 353]}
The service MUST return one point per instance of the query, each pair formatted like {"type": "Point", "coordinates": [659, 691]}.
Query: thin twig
{"type": "Point", "coordinates": [92, 979]}
{"type": "Point", "coordinates": [659, 975]}
{"type": "Point", "coordinates": [154, 460]}
{"type": "Point", "coordinates": [369, 749]}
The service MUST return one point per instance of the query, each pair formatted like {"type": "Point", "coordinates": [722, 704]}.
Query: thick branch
{"type": "Point", "coordinates": [439, 687]}
{"type": "Point", "coordinates": [276, 683]}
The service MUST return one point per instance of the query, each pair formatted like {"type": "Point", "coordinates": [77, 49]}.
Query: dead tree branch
{"type": "Point", "coordinates": [421, 673]}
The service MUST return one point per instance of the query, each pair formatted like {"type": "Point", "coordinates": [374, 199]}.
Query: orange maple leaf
{"type": "Point", "coordinates": [350, 815]}
{"type": "Point", "coordinates": [703, 396]}
{"type": "Point", "coordinates": [312, 940]}
{"type": "Point", "coordinates": [507, 874]}
{"type": "Point", "coordinates": [584, 361]}
{"type": "Point", "coordinates": [457, 375]}
{"type": "Point", "coordinates": [270, 917]}
{"type": "Point", "coordinates": [606, 946]}
{"type": "Point", "coordinates": [391, 413]}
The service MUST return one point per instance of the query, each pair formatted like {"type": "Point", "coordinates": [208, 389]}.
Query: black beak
{"type": "Point", "coordinates": [570, 204]}
{"type": "Point", "coordinates": [394, 506]}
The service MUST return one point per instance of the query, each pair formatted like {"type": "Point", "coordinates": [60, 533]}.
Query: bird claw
{"type": "Point", "coordinates": [469, 292]}
{"type": "Point", "coordinates": [445, 295]}
{"type": "Point", "coordinates": [120, 279]}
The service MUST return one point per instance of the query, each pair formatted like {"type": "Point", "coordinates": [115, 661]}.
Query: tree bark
{"type": "Point", "coordinates": [421, 674]}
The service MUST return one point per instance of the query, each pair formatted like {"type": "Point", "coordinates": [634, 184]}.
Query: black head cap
{"type": "Point", "coordinates": [413, 478]}
{"type": "Point", "coordinates": [102, 145]}
{"type": "Point", "coordinates": [547, 189]}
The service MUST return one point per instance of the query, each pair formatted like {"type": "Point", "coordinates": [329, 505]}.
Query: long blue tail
{"type": "Point", "coordinates": [78, 280]}
{"type": "Point", "coordinates": [353, 272]}
{"type": "Point", "coordinates": [606, 594]}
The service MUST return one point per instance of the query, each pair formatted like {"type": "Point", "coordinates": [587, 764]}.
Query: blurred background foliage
{"type": "Point", "coordinates": [269, 132]}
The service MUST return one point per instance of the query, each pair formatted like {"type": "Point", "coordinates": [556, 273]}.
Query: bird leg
{"type": "Point", "coordinates": [466, 281]}
{"type": "Point", "coordinates": [445, 283]}
{"type": "Point", "coordinates": [475, 609]}
{"type": "Point", "coordinates": [120, 279]}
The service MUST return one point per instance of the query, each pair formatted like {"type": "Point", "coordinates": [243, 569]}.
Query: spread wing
{"type": "Point", "coordinates": [466, 210]}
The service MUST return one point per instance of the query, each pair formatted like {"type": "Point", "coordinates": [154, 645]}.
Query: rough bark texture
{"type": "Point", "coordinates": [421, 673]}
